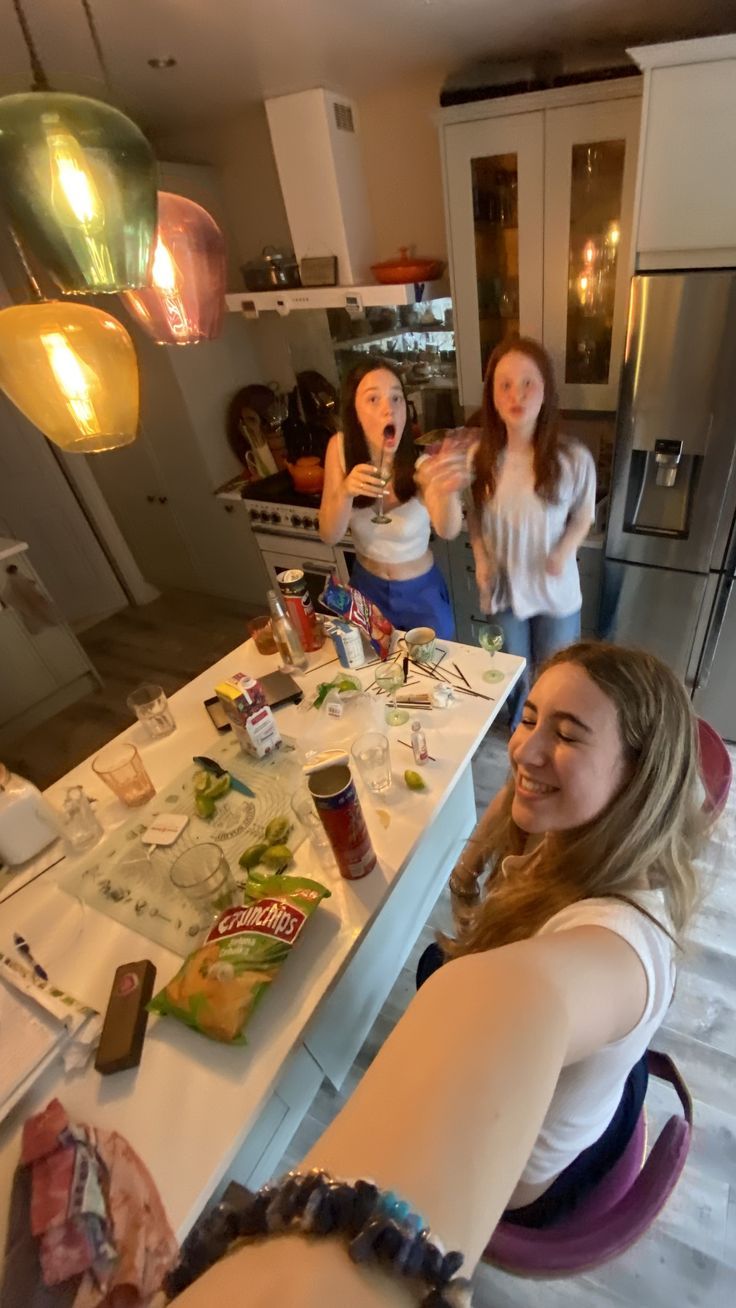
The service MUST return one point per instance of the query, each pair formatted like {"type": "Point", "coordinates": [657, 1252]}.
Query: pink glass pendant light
{"type": "Point", "coordinates": [185, 300]}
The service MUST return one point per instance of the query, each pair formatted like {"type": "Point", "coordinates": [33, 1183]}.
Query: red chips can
{"type": "Point", "coordinates": [299, 606]}
{"type": "Point", "coordinates": [337, 803]}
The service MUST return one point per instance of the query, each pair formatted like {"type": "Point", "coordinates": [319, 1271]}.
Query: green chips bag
{"type": "Point", "coordinates": [218, 986]}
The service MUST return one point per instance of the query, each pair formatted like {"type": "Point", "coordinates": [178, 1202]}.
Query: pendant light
{"type": "Point", "coordinates": [78, 180]}
{"type": "Point", "coordinates": [72, 371]}
{"type": "Point", "coordinates": [185, 300]}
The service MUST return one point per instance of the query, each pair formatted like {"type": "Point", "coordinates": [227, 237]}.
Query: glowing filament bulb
{"type": "Point", "coordinates": [71, 175]}
{"type": "Point", "coordinates": [589, 252]}
{"type": "Point", "coordinates": [69, 373]}
{"type": "Point", "coordinates": [164, 269]}
{"type": "Point", "coordinates": [614, 234]}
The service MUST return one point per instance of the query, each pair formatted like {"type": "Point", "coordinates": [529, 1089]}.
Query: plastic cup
{"type": "Point", "coordinates": [151, 707]}
{"type": "Point", "coordinates": [121, 768]}
{"type": "Point", "coordinates": [371, 753]}
{"type": "Point", "coordinates": [203, 874]}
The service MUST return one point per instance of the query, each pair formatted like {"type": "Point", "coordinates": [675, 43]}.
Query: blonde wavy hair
{"type": "Point", "coordinates": [646, 837]}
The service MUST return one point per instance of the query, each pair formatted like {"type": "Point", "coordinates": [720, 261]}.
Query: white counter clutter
{"type": "Point", "coordinates": [200, 1113]}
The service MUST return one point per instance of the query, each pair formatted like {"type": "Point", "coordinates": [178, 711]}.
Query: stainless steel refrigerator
{"type": "Point", "coordinates": [670, 553]}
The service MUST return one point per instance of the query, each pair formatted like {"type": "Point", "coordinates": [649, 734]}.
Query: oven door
{"type": "Point", "coordinates": [316, 560]}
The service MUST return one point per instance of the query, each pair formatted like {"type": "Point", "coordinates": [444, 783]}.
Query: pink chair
{"type": "Point", "coordinates": [618, 1211]}
{"type": "Point", "coordinates": [715, 768]}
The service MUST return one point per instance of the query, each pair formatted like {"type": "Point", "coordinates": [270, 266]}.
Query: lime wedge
{"type": "Point", "coordinates": [414, 781]}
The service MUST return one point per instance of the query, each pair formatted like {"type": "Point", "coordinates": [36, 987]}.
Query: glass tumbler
{"type": "Point", "coordinates": [203, 874]}
{"type": "Point", "coordinates": [151, 707]}
{"type": "Point", "coordinates": [121, 768]}
{"type": "Point", "coordinates": [305, 813]}
{"type": "Point", "coordinates": [371, 753]}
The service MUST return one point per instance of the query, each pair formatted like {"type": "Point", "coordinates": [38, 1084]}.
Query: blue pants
{"type": "Point", "coordinates": [586, 1171]}
{"type": "Point", "coordinates": [421, 602]}
{"type": "Point", "coordinates": [534, 639]}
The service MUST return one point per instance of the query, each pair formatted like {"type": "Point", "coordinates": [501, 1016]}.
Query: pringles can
{"type": "Point", "coordinates": [299, 606]}
{"type": "Point", "coordinates": [337, 803]}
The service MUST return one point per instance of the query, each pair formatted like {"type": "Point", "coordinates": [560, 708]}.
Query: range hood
{"type": "Point", "coordinates": [317, 150]}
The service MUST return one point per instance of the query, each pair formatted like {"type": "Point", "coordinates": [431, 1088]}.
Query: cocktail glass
{"type": "Point", "coordinates": [491, 640]}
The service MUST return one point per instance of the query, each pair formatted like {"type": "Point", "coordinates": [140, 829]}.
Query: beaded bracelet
{"type": "Point", "coordinates": [379, 1228]}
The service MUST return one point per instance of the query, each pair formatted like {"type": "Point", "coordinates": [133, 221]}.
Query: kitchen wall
{"type": "Point", "coordinates": [402, 164]}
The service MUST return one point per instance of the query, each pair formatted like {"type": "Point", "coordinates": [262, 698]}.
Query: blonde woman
{"type": "Point", "coordinates": [512, 1057]}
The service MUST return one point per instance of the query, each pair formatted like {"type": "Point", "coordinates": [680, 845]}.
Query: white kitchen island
{"type": "Point", "coordinates": [200, 1113]}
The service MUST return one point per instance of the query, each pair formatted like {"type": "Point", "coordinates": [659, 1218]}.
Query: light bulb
{"type": "Point", "coordinates": [69, 372]}
{"type": "Point", "coordinates": [71, 177]}
{"type": "Point", "coordinates": [164, 272]}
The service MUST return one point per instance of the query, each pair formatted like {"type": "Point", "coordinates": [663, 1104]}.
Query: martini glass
{"type": "Point", "coordinates": [491, 640]}
{"type": "Point", "coordinates": [389, 679]}
{"type": "Point", "coordinates": [384, 476]}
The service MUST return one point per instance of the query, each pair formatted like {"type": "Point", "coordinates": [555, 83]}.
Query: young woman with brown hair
{"type": "Point", "coordinates": [513, 1053]}
{"type": "Point", "coordinates": [533, 502]}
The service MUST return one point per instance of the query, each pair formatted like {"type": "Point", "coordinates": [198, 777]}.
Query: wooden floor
{"type": "Point", "coordinates": [168, 642]}
{"type": "Point", "coordinates": [689, 1258]}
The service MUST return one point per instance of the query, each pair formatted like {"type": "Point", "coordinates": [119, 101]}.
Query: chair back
{"type": "Point", "coordinates": [618, 1211]}
{"type": "Point", "coordinates": [715, 768]}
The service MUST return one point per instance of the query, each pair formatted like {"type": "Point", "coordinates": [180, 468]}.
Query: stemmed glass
{"type": "Point", "coordinates": [384, 476]}
{"type": "Point", "coordinates": [491, 640]}
{"type": "Point", "coordinates": [389, 677]}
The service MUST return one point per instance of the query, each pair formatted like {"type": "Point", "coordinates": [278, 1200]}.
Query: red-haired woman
{"type": "Point", "coordinates": [533, 503]}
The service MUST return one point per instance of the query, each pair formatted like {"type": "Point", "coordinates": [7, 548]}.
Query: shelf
{"type": "Point", "coordinates": [389, 335]}
{"type": "Point", "coordinates": [251, 303]}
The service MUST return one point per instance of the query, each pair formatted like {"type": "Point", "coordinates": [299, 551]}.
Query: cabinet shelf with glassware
{"type": "Point", "coordinates": [418, 339]}
{"type": "Point", "coordinates": [539, 193]}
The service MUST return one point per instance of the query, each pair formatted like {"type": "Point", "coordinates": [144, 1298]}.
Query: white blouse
{"type": "Point", "coordinates": [402, 540]}
{"type": "Point", "coordinates": [520, 530]}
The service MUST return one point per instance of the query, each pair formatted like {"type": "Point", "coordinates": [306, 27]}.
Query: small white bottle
{"type": "Point", "coordinates": [419, 743]}
{"type": "Point", "coordinates": [26, 820]}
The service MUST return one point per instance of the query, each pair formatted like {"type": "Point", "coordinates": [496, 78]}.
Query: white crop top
{"type": "Point", "coordinates": [402, 540]}
{"type": "Point", "coordinates": [588, 1092]}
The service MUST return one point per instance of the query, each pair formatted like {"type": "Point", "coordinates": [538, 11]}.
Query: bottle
{"type": "Point", "coordinates": [80, 827]}
{"type": "Point", "coordinates": [285, 634]}
{"type": "Point", "coordinates": [419, 743]}
{"type": "Point", "coordinates": [26, 820]}
{"type": "Point", "coordinates": [294, 429]}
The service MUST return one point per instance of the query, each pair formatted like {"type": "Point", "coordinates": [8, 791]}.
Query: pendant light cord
{"type": "Point", "coordinates": [40, 80]}
{"type": "Point", "coordinates": [94, 34]}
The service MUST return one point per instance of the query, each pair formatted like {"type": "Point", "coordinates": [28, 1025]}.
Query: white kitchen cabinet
{"type": "Point", "coordinates": [539, 194]}
{"type": "Point", "coordinates": [687, 188]}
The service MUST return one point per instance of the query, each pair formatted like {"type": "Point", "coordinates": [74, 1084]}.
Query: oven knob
{"type": "Point", "coordinates": [274, 517]}
{"type": "Point", "coordinates": [296, 521]}
{"type": "Point", "coordinates": [255, 515]}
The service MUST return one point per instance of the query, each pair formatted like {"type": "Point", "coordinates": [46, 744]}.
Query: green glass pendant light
{"type": "Point", "coordinates": [78, 181]}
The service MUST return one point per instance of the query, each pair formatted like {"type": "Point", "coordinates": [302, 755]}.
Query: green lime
{"type": "Point", "coordinates": [277, 857]}
{"type": "Point", "coordinates": [201, 781]}
{"type": "Point", "coordinates": [204, 805]}
{"type": "Point", "coordinates": [252, 856]}
{"type": "Point", "coordinates": [414, 781]}
{"type": "Point", "coordinates": [219, 786]}
{"type": "Point", "coordinates": [277, 830]}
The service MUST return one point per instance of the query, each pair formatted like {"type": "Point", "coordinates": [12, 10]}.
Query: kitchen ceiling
{"type": "Point", "coordinates": [231, 52]}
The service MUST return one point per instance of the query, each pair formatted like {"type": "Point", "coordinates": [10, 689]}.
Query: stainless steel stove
{"type": "Point", "coordinates": [286, 529]}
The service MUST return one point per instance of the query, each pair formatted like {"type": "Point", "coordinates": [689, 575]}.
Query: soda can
{"type": "Point", "coordinates": [299, 606]}
{"type": "Point", "coordinates": [337, 803]}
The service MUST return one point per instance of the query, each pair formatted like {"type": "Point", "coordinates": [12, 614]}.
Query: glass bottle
{"type": "Point", "coordinates": [419, 743]}
{"type": "Point", "coordinates": [294, 430]}
{"type": "Point", "coordinates": [284, 632]}
{"type": "Point", "coordinates": [79, 826]}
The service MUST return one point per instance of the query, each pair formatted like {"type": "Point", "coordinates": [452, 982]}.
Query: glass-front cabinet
{"type": "Point", "coordinates": [539, 207]}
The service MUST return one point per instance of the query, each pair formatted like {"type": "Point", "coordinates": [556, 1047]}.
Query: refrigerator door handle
{"type": "Point", "coordinates": [714, 633]}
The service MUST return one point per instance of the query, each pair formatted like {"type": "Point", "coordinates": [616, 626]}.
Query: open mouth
{"type": "Point", "coordinates": [389, 431]}
{"type": "Point", "coordinates": [530, 787]}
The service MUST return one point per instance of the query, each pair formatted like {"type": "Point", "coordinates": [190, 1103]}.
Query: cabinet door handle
{"type": "Point", "coordinates": [151, 499]}
{"type": "Point", "coordinates": [163, 499]}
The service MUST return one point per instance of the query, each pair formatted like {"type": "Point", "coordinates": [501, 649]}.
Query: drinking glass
{"type": "Point", "coordinates": [151, 707]}
{"type": "Point", "coordinates": [202, 873]}
{"type": "Point", "coordinates": [371, 753]}
{"type": "Point", "coordinates": [305, 812]}
{"type": "Point", "coordinates": [388, 678]}
{"type": "Point", "coordinates": [384, 476]}
{"type": "Point", "coordinates": [491, 640]}
{"type": "Point", "coordinates": [121, 768]}
{"type": "Point", "coordinates": [259, 629]}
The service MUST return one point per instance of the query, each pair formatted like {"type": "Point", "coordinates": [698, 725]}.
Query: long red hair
{"type": "Point", "coordinates": [547, 441]}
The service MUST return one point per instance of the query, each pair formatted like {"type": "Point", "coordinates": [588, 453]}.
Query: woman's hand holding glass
{"type": "Point", "coordinates": [363, 479]}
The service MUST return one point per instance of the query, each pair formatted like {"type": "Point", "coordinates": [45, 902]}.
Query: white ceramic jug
{"type": "Point", "coordinates": [26, 821]}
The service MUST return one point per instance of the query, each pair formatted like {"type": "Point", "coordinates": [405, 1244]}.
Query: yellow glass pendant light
{"type": "Point", "coordinates": [72, 371]}
{"type": "Point", "coordinates": [78, 181]}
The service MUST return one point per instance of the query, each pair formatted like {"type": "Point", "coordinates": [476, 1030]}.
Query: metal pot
{"type": "Point", "coordinates": [272, 272]}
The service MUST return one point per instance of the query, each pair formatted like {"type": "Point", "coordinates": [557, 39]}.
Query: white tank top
{"type": "Point", "coordinates": [402, 540]}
